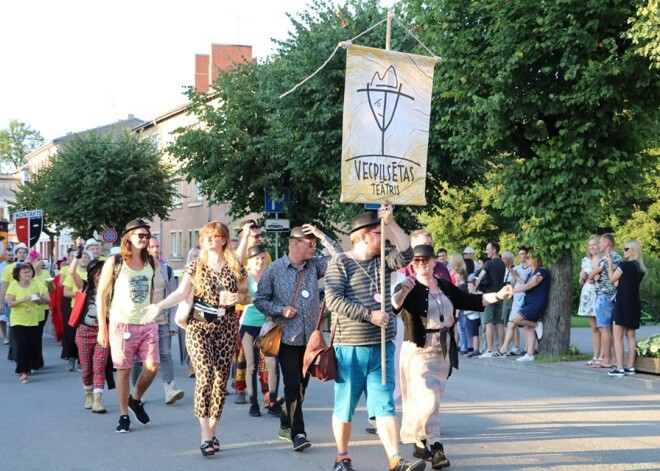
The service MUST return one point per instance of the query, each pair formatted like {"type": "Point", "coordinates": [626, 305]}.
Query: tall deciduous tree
{"type": "Point", "coordinates": [254, 140]}
{"type": "Point", "coordinates": [99, 181]}
{"type": "Point", "coordinates": [16, 143]}
{"type": "Point", "coordinates": [556, 97]}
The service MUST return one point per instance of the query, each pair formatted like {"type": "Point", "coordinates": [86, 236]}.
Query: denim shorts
{"type": "Point", "coordinates": [360, 371]}
{"type": "Point", "coordinates": [604, 307]}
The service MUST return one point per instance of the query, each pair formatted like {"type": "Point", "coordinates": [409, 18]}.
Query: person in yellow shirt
{"type": "Point", "coordinates": [42, 276]}
{"type": "Point", "coordinates": [21, 253]}
{"type": "Point", "coordinates": [25, 296]}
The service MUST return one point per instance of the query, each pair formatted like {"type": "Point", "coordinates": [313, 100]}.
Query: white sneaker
{"type": "Point", "coordinates": [486, 355]}
{"type": "Point", "coordinates": [172, 394]}
{"type": "Point", "coordinates": [539, 330]}
{"type": "Point", "coordinates": [526, 357]}
{"type": "Point", "coordinates": [515, 351]}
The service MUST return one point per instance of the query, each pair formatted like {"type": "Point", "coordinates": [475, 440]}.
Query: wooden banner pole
{"type": "Point", "coordinates": [383, 331]}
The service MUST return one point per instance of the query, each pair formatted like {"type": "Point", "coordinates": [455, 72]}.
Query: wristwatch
{"type": "Point", "coordinates": [366, 315]}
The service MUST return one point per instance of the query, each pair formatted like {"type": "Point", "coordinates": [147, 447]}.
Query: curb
{"type": "Point", "coordinates": [571, 369]}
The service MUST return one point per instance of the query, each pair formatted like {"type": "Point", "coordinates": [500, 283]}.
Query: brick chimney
{"type": "Point", "coordinates": [202, 81]}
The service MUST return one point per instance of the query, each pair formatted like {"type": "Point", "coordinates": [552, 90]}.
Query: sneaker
{"type": "Point", "coordinates": [172, 394]}
{"type": "Point", "coordinates": [539, 330]}
{"type": "Point", "coordinates": [526, 357]}
{"type": "Point", "coordinates": [421, 453]}
{"type": "Point", "coordinates": [124, 424]}
{"type": "Point", "coordinates": [463, 352]}
{"type": "Point", "coordinates": [240, 399]}
{"type": "Point", "coordinates": [284, 434]}
{"type": "Point", "coordinates": [439, 459]}
{"type": "Point", "coordinates": [487, 354]}
{"type": "Point", "coordinates": [137, 409]}
{"type": "Point", "coordinates": [371, 430]}
{"type": "Point", "coordinates": [405, 465]}
{"type": "Point", "coordinates": [300, 442]}
{"type": "Point", "coordinates": [71, 364]}
{"type": "Point", "coordinates": [499, 354]}
{"type": "Point", "coordinates": [616, 373]}
{"type": "Point", "coordinates": [5, 341]}
{"type": "Point", "coordinates": [343, 465]}
{"type": "Point", "coordinates": [474, 353]}
{"type": "Point", "coordinates": [629, 371]}
{"type": "Point", "coordinates": [515, 352]}
{"type": "Point", "coordinates": [254, 410]}
{"type": "Point", "coordinates": [275, 410]}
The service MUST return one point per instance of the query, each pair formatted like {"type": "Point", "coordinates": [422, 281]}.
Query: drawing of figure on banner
{"type": "Point", "coordinates": [387, 106]}
{"type": "Point", "coordinates": [29, 225]}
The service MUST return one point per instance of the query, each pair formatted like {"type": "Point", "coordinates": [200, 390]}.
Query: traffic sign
{"type": "Point", "coordinates": [277, 225]}
{"type": "Point", "coordinates": [277, 201]}
{"type": "Point", "coordinates": [109, 235]}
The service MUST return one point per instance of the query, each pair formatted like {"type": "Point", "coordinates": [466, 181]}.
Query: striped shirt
{"type": "Point", "coordinates": [350, 286]}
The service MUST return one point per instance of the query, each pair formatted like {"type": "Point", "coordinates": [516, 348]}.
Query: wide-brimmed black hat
{"type": "Point", "coordinates": [423, 250]}
{"type": "Point", "coordinates": [297, 233]}
{"type": "Point", "coordinates": [136, 224]}
{"type": "Point", "coordinates": [363, 220]}
{"type": "Point", "coordinates": [255, 250]}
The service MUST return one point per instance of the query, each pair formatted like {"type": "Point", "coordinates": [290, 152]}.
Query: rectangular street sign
{"type": "Point", "coordinates": [277, 201]}
{"type": "Point", "coordinates": [277, 225]}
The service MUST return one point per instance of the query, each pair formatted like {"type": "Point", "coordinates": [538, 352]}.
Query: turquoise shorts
{"type": "Point", "coordinates": [360, 371]}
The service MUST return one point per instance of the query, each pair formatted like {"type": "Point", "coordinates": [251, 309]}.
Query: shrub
{"type": "Point", "coordinates": [649, 347]}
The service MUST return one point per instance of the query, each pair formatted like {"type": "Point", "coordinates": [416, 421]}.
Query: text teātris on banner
{"type": "Point", "coordinates": [387, 108]}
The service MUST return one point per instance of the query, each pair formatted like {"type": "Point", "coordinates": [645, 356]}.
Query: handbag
{"type": "Point", "coordinates": [320, 359]}
{"type": "Point", "coordinates": [78, 308]}
{"type": "Point", "coordinates": [269, 341]}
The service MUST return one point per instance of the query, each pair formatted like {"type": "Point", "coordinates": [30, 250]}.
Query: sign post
{"type": "Point", "coordinates": [277, 202]}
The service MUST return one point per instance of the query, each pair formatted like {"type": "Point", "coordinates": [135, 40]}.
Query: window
{"type": "Point", "coordinates": [176, 248]}
{"type": "Point", "coordinates": [195, 193]}
{"type": "Point", "coordinates": [176, 200]}
{"type": "Point", "coordinates": [155, 141]}
{"type": "Point", "coordinates": [193, 238]}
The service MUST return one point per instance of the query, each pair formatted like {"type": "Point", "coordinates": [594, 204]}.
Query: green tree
{"type": "Point", "coordinates": [16, 142]}
{"type": "Point", "coordinates": [255, 140]}
{"type": "Point", "coordinates": [98, 181]}
{"type": "Point", "coordinates": [556, 97]}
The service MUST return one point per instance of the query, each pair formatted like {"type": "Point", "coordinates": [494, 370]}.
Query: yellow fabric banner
{"type": "Point", "coordinates": [387, 107]}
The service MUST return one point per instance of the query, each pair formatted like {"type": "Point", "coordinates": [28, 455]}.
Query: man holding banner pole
{"type": "Point", "coordinates": [354, 293]}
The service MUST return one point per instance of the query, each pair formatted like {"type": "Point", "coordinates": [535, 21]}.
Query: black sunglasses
{"type": "Point", "coordinates": [143, 236]}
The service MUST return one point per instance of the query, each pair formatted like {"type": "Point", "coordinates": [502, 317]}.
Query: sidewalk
{"type": "Point", "coordinates": [581, 338]}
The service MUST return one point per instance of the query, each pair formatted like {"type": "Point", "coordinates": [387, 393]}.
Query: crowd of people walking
{"type": "Point", "coordinates": [116, 316]}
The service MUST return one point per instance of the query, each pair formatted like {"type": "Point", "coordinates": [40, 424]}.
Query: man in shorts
{"type": "Point", "coordinates": [127, 280]}
{"type": "Point", "coordinates": [493, 270]}
{"type": "Point", "coordinates": [352, 284]}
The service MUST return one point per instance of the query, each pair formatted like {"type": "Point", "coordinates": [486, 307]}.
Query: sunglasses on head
{"type": "Point", "coordinates": [310, 244]}
{"type": "Point", "coordinates": [625, 249]}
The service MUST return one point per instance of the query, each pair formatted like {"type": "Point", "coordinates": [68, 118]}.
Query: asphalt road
{"type": "Point", "coordinates": [497, 415]}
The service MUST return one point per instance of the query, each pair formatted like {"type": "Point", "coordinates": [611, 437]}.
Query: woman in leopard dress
{"type": "Point", "coordinates": [212, 330]}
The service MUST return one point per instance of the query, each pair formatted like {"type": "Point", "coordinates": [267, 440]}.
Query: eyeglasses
{"type": "Point", "coordinates": [420, 260]}
{"type": "Point", "coordinates": [625, 249]}
{"type": "Point", "coordinates": [143, 236]}
{"type": "Point", "coordinates": [211, 237]}
{"type": "Point", "coordinates": [311, 245]}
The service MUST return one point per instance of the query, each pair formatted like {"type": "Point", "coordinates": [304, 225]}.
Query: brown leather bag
{"type": "Point", "coordinates": [320, 359]}
{"type": "Point", "coordinates": [269, 342]}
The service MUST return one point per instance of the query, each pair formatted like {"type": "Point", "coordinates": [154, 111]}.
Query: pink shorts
{"type": "Point", "coordinates": [142, 342]}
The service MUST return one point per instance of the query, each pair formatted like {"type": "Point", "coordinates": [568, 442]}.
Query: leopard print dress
{"type": "Point", "coordinates": [211, 345]}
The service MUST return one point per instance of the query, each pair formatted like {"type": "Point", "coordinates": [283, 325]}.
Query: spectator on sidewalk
{"type": "Point", "coordinates": [423, 237]}
{"type": "Point", "coordinates": [521, 274]}
{"type": "Point", "coordinates": [491, 280]}
{"type": "Point", "coordinates": [587, 306]}
{"type": "Point", "coordinates": [468, 258]}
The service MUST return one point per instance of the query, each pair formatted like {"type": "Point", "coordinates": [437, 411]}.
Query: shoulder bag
{"type": "Point", "coordinates": [78, 308]}
{"type": "Point", "coordinates": [320, 359]}
{"type": "Point", "coordinates": [270, 336]}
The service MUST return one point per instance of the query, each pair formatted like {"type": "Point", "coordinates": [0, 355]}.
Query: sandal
{"type": "Point", "coordinates": [23, 378]}
{"type": "Point", "coordinates": [207, 448]}
{"type": "Point", "coordinates": [592, 361]}
{"type": "Point", "coordinates": [216, 445]}
{"type": "Point", "coordinates": [601, 365]}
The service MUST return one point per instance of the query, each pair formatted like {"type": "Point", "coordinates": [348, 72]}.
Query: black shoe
{"type": "Point", "coordinates": [124, 424]}
{"type": "Point", "coordinates": [300, 442]}
{"type": "Point", "coordinates": [422, 453]}
{"type": "Point", "coordinates": [371, 430]}
{"type": "Point", "coordinates": [405, 465]}
{"type": "Point", "coordinates": [137, 408]}
{"type": "Point", "coordinates": [439, 459]}
{"type": "Point", "coordinates": [207, 448]}
{"type": "Point", "coordinates": [275, 410]}
{"type": "Point", "coordinates": [254, 410]}
{"type": "Point", "coordinates": [343, 465]}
